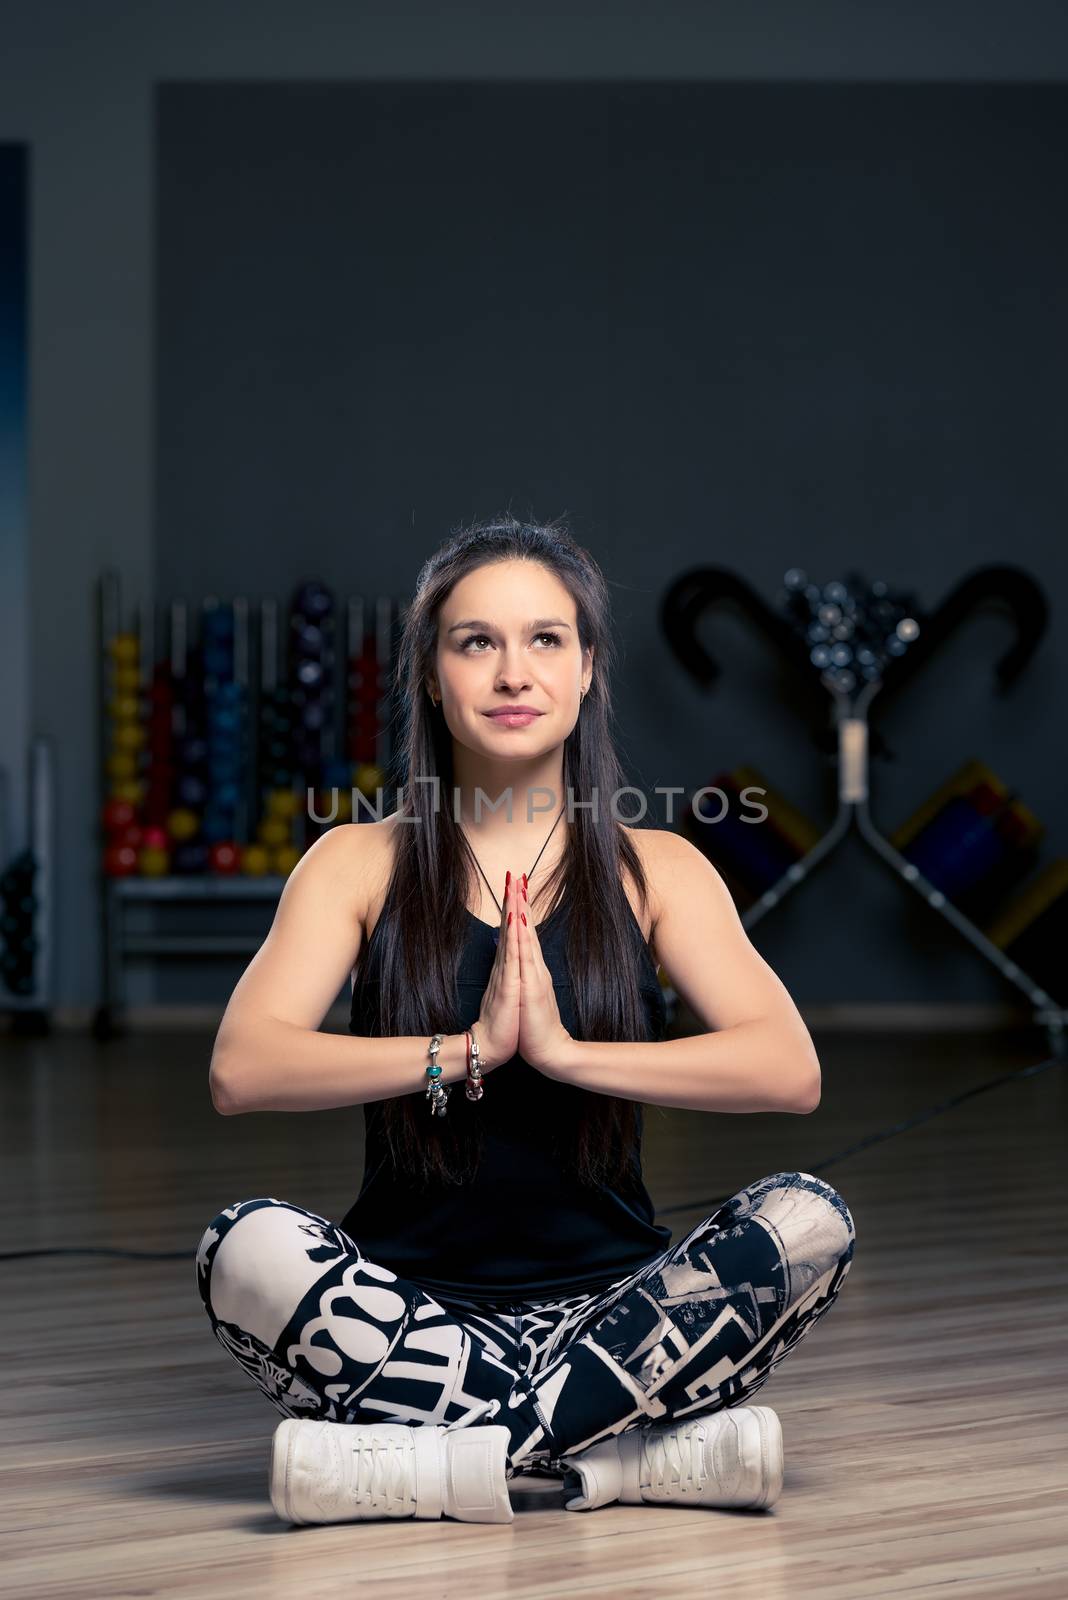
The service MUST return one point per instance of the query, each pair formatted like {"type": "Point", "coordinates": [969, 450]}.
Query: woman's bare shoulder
{"type": "Point", "coordinates": [371, 847]}
{"type": "Point", "coordinates": [360, 856]}
{"type": "Point", "coordinates": [649, 845]}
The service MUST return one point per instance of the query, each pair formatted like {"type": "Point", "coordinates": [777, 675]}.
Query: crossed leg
{"type": "Point", "coordinates": [702, 1326]}
{"type": "Point", "coordinates": [327, 1333]}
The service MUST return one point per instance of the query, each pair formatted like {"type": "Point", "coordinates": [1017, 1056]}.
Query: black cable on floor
{"type": "Point", "coordinates": [687, 1205]}
{"type": "Point", "coordinates": [889, 1133]}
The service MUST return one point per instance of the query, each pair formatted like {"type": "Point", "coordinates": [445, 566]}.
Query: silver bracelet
{"type": "Point", "coordinates": [436, 1091]}
{"type": "Point", "coordinates": [474, 1067]}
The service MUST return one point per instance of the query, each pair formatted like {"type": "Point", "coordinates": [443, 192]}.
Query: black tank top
{"type": "Point", "coordinates": [523, 1228]}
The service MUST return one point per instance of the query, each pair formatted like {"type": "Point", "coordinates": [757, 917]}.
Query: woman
{"type": "Point", "coordinates": [498, 1298]}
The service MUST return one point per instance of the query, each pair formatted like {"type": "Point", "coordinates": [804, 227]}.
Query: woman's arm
{"type": "Point", "coordinates": [758, 1054]}
{"type": "Point", "coordinates": [269, 1054]}
{"type": "Point", "coordinates": [746, 1067]}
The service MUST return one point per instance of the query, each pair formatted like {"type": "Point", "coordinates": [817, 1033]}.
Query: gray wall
{"type": "Point", "coordinates": [753, 324]}
{"type": "Point", "coordinates": [79, 84]}
{"type": "Point", "coordinates": [14, 540]}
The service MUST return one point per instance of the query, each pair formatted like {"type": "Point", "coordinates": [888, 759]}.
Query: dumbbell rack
{"type": "Point", "coordinates": [121, 895]}
{"type": "Point", "coordinates": [121, 945]}
{"type": "Point", "coordinates": [853, 789]}
{"type": "Point", "coordinates": [30, 1011]}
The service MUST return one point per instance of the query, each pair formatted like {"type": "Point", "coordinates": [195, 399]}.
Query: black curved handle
{"type": "Point", "coordinates": [1000, 586]}
{"type": "Point", "coordinates": [693, 593]}
{"type": "Point", "coordinates": [699, 590]}
{"type": "Point", "coordinates": [1003, 586]}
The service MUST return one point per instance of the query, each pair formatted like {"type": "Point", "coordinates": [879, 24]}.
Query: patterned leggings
{"type": "Point", "coordinates": [327, 1333]}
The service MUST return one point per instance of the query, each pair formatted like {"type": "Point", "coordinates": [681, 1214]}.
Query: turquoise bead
{"type": "Point", "coordinates": [433, 1072]}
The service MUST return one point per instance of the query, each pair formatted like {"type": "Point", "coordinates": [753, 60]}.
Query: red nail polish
{"type": "Point", "coordinates": [524, 917]}
{"type": "Point", "coordinates": [507, 879]}
{"type": "Point", "coordinates": [509, 919]}
{"type": "Point", "coordinates": [524, 880]}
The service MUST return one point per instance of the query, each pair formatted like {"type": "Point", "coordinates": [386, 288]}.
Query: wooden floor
{"type": "Point", "coordinates": [925, 1418]}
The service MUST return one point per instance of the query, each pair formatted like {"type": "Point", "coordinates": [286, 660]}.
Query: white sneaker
{"type": "Point", "coordinates": [351, 1471]}
{"type": "Point", "coordinates": [725, 1458]}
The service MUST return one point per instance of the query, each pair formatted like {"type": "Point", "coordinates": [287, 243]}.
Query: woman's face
{"type": "Point", "coordinates": [508, 635]}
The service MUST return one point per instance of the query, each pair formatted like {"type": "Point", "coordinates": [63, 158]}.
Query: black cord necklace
{"type": "Point", "coordinates": [530, 874]}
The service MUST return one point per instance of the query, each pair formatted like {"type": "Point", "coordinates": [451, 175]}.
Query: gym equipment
{"type": "Point", "coordinates": [1032, 902]}
{"type": "Point", "coordinates": [183, 824]}
{"type": "Point", "coordinates": [751, 854]}
{"type": "Point", "coordinates": [311, 673]}
{"type": "Point", "coordinates": [974, 840]}
{"type": "Point", "coordinates": [19, 944]}
{"type": "Point", "coordinates": [1005, 587]}
{"type": "Point", "coordinates": [120, 860]}
{"type": "Point", "coordinates": [372, 635]}
{"type": "Point", "coordinates": [152, 862]}
{"type": "Point", "coordinates": [853, 629]}
{"type": "Point", "coordinates": [284, 858]}
{"type": "Point", "coordinates": [126, 734]}
{"type": "Point", "coordinates": [365, 682]}
{"type": "Point", "coordinates": [255, 861]}
{"type": "Point", "coordinates": [160, 742]}
{"type": "Point", "coordinates": [703, 589]}
{"type": "Point", "coordinates": [218, 727]}
{"type": "Point", "coordinates": [191, 856]}
{"type": "Point", "coordinates": [273, 831]}
{"type": "Point", "coordinates": [26, 899]}
{"type": "Point", "coordinates": [224, 857]}
{"type": "Point", "coordinates": [794, 826]}
{"type": "Point", "coordinates": [1032, 928]}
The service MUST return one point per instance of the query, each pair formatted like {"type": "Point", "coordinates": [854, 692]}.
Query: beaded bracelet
{"type": "Point", "coordinates": [474, 1068]}
{"type": "Point", "coordinates": [436, 1091]}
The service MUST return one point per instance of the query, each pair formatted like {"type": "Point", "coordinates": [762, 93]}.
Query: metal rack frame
{"type": "Point", "coordinates": [853, 790]}
{"type": "Point", "coordinates": [119, 945]}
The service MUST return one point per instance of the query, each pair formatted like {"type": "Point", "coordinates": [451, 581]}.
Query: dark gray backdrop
{"type": "Point", "coordinates": [758, 324]}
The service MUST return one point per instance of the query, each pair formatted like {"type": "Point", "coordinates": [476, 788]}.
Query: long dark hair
{"type": "Point", "coordinates": [419, 948]}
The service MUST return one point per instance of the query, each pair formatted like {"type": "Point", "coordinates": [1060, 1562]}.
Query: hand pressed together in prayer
{"type": "Point", "coordinates": [519, 1010]}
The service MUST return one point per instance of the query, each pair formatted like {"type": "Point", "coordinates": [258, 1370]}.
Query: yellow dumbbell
{"type": "Point", "coordinates": [121, 764]}
{"type": "Point", "coordinates": [125, 647]}
{"type": "Point", "coordinates": [127, 735]}
{"type": "Point", "coordinates": [284, 859]}
{"type": "Point", "coordinates": [152, 862]}
{"type": "Point", "coordinates": [128, 790]}
{"type": "Point", "coordinates": [272, 831]}
{"type": "Point", "coordinates": [124, 708]}
{"type": "Point", "coordinates": [126, 679]}
{"type": "Point", "coordinates": [282, 803]}
{"type": "Point", "coordinates": [255, 861]}
{"type": "Point", "coordinates": [183, 824]}
{"type": "Point", "coordinates": [369, 777]}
